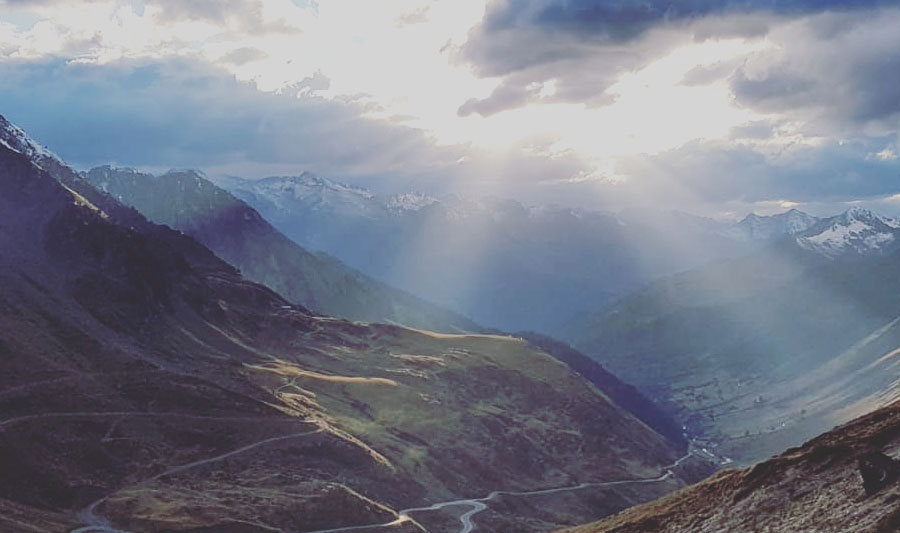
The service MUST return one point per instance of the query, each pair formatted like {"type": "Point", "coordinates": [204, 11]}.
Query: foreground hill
{"type": "Point", "coordinates": [188, 202]}
{"type": "Point", "coordinates": [767, 350]}
{"type": "Point", "coordinates": [816, 487]}
{"type": "Point", "coordinates": [148, 386]}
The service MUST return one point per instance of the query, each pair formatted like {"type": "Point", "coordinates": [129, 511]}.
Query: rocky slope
{"type": "Point", "coordinates": [148, 386]}
{"type": "Point", "coordinates": [188, 202]}
{"type": "Point", "coordinates": [816, 487]}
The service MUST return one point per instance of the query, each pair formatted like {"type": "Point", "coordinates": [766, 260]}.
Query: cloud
{"type": "Point", "coordinates": [563, 25]}
{"type": "Point", "coordinates": [587, 44]}
{"type": "Point", "coordinates": [888, 154]}
{"type": "Point", "coordinates": [218, 11]}
{"type": "Point", "coordinates": [836, 72]}
{"type": "Point", "coordinates": [188, 113]}
{"type": "Point", "coordinates": [598, 104]}
{"type": "Point", "coordinates": [722, 172]}
{"type": "Point", "coordinates": [243, 55]}
{"type": "Point", "coordinates": [247, 15]}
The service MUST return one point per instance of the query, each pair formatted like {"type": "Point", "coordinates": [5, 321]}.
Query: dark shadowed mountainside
{"type": "Point", "coordinates": [188, 202]}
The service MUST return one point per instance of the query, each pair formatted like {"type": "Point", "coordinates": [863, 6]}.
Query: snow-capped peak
{"type": "Point", "coordinates": [413, 201]}
{"type": "Point", "coordinates": [307, 184]}
{"type": "Point", "coordinates": [188, 171]}
{"type": "Point", "coordinates": [15, 138]}
{"type": "Point", "coordinates": [307, 192]}
{"type": "Point", "coordinates": [856, 231]}
{"type": "Point", "coordinates": [864, 215]}
{"type": "Point", "coordinates": [766, 228]}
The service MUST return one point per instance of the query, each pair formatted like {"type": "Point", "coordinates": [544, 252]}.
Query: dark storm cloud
{"type": "Point", "coordinates": [507, 95]}
{"type": "Point", "coordinates": [586, 44]}
{"type": "Point", "coordinates": [612, 22]}
{"type": "Point", "coordinates": [841, 71]}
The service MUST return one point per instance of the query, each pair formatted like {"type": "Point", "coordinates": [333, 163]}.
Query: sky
{"type": "Point", "coordinates": [713, 107]}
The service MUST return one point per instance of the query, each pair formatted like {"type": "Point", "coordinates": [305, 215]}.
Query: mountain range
{"type": "Point", "coordinates": [148, 386]}
{"type": "Point", "coordinates": [720, 322]}
{"type": "Point", "coordinates": [170, 362]}
{"type": "Point", "coordinates": [188, 202]}
{"type": "Point", "coordinates": [857, 231]}
{"type": "Point", "coordinates": [500, 262]}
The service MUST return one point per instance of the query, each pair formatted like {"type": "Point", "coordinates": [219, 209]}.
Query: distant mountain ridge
{"type": "Point", "coordinates": [496, 260]}
{"type": "Point", "coordinates": [187, 201]}
{"type": "Point", "coordinates": [856, 232]}
{"type": "Point", "coordinates": [754, 227]}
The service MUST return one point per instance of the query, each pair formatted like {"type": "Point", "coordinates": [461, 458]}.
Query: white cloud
{"type": "Point", "coordinates": [592, 115]}
{"type": "Point", "coordinates": [888, 154]}
{"type": "Point", "coordinates": [402, 70]}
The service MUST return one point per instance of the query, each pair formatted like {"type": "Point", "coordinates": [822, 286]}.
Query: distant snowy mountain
{"type": "Point", "coordinates": [502, 262]}
{"type": "Point", "coordinates": [413, 201]}
{"type": "Point", "coordinates": [767, 228]}
{"type": "Point", "coordinates": [15, 138]}
{"type": "Point", "coordinates": [505, 264]}
{"type": "Point", "coordinates": [307, 191]}
{"type": "Point", "coordinates": [857, 231]}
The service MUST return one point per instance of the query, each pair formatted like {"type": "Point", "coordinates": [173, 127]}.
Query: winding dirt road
{"type": "Point", "coordinates": [477, 505]}
{"type": "Point", "coordinates": [98, 524]}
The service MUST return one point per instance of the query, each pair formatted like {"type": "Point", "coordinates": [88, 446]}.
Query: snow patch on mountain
{"type": "Point", "coordinates": [857, 231]}
{"type": "Point", "coordinates": [413, 201]}
{"type": "Point", "coordinates": [15, 138]}
{"type": "Point", "coordinates": [308, 192]}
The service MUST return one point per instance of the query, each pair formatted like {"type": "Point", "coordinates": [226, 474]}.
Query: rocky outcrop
{"type": "Point", "coordinates": [878, 471]}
